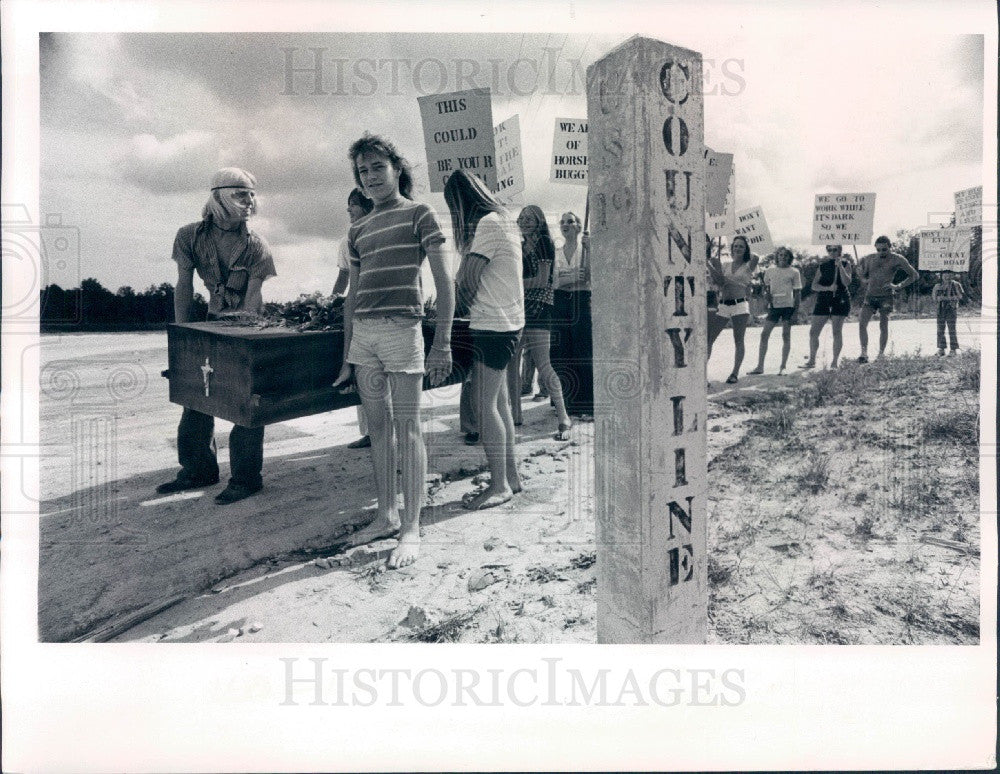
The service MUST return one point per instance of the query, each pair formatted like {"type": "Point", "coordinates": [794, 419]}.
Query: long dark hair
{"type": "Point", "coordinates": [746, 244]}
{"type": "Point", "coordinates": [358, 199]}
{"type": "Point", "coordinates": [469, 200]}
{"type": "Point", "coordinates": [544, 247]}
{"type": "Point", "coordinates": [373, 143]}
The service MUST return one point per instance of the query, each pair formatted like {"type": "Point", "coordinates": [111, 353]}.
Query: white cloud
{"type": "Point", "coordinates": [809, 112]}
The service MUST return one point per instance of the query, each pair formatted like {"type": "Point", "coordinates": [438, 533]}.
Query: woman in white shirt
{"type": "Point", "coordinates": [489, 285]}
{"type": "Point", "coordinates": [733, 281]}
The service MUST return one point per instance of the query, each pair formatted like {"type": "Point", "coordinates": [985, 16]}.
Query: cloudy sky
{"type": "Point", "coordinates": [134, 125]}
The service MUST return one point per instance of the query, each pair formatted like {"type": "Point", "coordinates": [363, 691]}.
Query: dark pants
{"type": "Point", "coordinates": [573, 350]}
{"type": "Point", "coordinates": [947, 316]}
{"type": "Point", "coordinates": [196, 450]}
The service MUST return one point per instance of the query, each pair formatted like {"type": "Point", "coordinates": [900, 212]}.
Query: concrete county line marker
{"type": "Point", "coordinates": [647, 190]}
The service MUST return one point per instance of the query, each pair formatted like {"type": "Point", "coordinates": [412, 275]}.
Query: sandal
{"type": "Point", "coordinates": [563, 433]}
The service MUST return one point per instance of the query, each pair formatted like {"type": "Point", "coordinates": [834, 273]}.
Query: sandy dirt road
{"type": "Point", "coordinates": [248, 571]}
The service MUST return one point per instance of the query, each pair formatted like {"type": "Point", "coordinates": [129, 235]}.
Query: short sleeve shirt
{"type": "Point", "coordinates": [214, 270]}
{"type": "Point", "coordinates": [782, 282]}
{"type": "Point", "coordinates": [499, 302]}
{"type": "Point", "coordinates": [388, 247]}
{"type": "Point", "coordinates": [343, 256]}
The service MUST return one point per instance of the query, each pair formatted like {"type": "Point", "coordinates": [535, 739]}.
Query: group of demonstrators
{"type": "Point", "coordinates": [520, 294]}
{"type": "Point", "coordinates": [729, 303]}
{"type": "Point", "coordinates": [512, 284]}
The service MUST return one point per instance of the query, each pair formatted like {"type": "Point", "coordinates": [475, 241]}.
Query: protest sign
{"type": "Point", "coordinates": [945, 249]}
{"type": "Point", "coordinates": [569, 151]}
{"type": "Point", "coordinates": [844, 219]}
{"type": "Point", "coordinates": [458, 134]}
{"type": "Point", "coordinates": [723, 223]}
{"type": "Point", "coordinates": [969, 207]}
{"type": "Point", "coordinates": [753, 225]}
{"type": "Point", "coordinates": [719, 169]}
{"type": "Point", "coordinates": [510, 166]}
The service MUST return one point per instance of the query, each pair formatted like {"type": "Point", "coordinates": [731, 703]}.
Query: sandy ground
{"type": "Point", "coordinates": [520, 573]}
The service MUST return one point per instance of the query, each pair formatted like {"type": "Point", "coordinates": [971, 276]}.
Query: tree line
{"type": "Point", "coordinates": [907, 244]}
{"type": "Point", "coordinates": [93, 307]}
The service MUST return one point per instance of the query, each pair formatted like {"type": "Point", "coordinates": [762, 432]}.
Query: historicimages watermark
{"type": "Point", "coordinates": [320, 71]}
{"type": "Point", "coordinates": [317, 682]}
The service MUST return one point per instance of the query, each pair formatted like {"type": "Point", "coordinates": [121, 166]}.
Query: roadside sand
{"type": "Point", "coordinates": [787, 565]}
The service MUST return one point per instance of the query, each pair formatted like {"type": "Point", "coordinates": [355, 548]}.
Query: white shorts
{"type": "Point", "coordinates": [733, 310]}
{"type": "Point", "coordinates": [392, 344]}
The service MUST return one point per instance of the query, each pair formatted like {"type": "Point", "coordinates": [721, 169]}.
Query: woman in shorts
{"type": "Point", "coordinates": [539, 254]}
{"type": "Point", "coordinates": [733, 281]}
{"type": "Point", "coordinates": [489, 285]}
{"type": "Point", "coordinates": [833, 302]}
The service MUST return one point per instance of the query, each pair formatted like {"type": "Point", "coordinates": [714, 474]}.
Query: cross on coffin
{"type": "Point", "coordinates": [205, 371]}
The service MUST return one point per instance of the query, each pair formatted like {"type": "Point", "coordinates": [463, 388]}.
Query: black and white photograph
{"type": "Point", "coordinates": [667, 332]}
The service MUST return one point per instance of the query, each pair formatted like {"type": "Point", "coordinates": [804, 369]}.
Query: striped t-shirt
{"type": "Point", "coordinates": [388, 246]}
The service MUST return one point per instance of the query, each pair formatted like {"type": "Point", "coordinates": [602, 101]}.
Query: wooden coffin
{"type": "Point", "coordinates": [255, 377]}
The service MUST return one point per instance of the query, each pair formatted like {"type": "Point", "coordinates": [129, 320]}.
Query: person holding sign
{"type": "Point", "coordinates": [947, 294]}
{"type": "Point", "coordinates": [539, 254]}
{"type": "Point", "coordinates": [489, 285]}
{"type": "Point", "coordinates": [383, 338]}
{"type": "Point", "coordinates": [733, 281]}
{"type": "Point", "coordinates": [833, 302]}
{"type": "Point", "coordinates": [572, 317]}
{"type": "Point", "coordinates": [877, 271]}
{"type": "Point", "coordinates": [233, 262]}
{"type": "Point", "coordinates": [783, 290]}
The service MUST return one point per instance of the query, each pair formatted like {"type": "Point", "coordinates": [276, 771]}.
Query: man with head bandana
{"type": "Point", "coordinates": [233, 262]}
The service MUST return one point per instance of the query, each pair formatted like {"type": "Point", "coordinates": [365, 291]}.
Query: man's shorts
{"type": "Point", "coordinates": [729, 310]}
{"type": "Point", "coordinates": [780, 313]}
{"type": "Point", "coordinates": [833, 304]}
{"type": "Point", "coordinates": [494, 348]}
{"type": "Point", "coordinates": [392, 344]}
{"type": "Point", "coordinates": [879, 303]}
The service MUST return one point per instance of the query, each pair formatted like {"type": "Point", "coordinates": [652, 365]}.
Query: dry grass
{"type": "Point", "coordinates": [850, 470]}
{"type": "Point", "coordinates": [956, 426]}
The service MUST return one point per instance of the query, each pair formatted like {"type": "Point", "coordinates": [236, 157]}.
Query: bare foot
{"type": "Point", "coordinates": [514, 482]}
{"type": "Point", "coordinates": [758, 370]}
{"type": "Point", "coordinates": [407, 551]}
{"type": "Point", "coordinates": [382, 527]}
{"type": "Point", "coordinates": [489, 498]}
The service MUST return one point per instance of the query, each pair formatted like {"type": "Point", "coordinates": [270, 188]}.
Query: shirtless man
{"type": "Point", "coordinates": [877, 271]}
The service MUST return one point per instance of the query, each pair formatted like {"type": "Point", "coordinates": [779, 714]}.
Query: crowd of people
{"type": "Point", "coordinates": [520, 294]}
{"type": "Point", "coordinates": [728, 301]}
